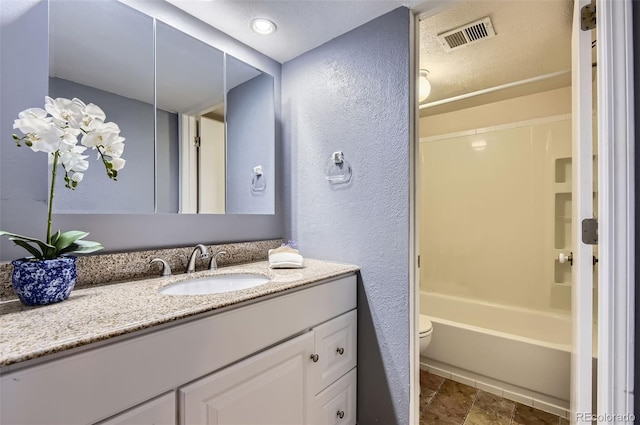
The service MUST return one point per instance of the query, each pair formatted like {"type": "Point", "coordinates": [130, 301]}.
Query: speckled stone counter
{"type": "Point", "coordinates": [102, 312]}
{"type": "Point", "coordinates": [101, 268]}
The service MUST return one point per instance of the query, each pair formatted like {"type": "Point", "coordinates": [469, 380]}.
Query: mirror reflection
{"type": "Point", "coordinates": [106, 58]}
{"type": "Point", "coordinates": [201, 139]}
{"type": "Point", "coordinates": [250, 119]}
{"type": "Point", "coordinates": [190, 133]}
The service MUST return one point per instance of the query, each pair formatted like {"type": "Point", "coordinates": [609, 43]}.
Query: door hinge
{"type": "Point", "coordinates": [418, 261]}
{"type": "Point", "coordinates": [588, 17]}
{"type": "Point", "coordinates": [196, 141]}
{"type": "Point", "coordinates": [590, 231]}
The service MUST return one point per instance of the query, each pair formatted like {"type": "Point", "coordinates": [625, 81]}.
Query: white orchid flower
{"type": "Point", "coordinates": [117, 163]}
{"type": "Point", "coordinates": [68, 139]}
{"type": "Point", "coordinates": [100, 134]}
{"type": "Point", "coordinates": [48, 140]}
{"type": "Point", "coordinates": [55, 130]}
{"type": "Point", "coordinates": [73, 160]}
{"type": "Point", "coordinates": [92, 113]}
{"type": "Point", "coordinates": [65, 112]}
{"type": "Point", "coordinates": [113, 146]}
{"type": "Point", "coordinates": [33, 120]}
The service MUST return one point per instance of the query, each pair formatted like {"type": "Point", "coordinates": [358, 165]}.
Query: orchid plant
{"type": "Point", "coordinates": [64, 130]}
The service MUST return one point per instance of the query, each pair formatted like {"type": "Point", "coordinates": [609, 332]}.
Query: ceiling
{"type": "Point", "coordinates": [302, 25]}
{"type": "Point", "coordinates": [533, 39]}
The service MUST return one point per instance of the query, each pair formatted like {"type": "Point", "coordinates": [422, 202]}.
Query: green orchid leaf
{"type": "Point", "coordinates": [55, 237]}
{"type": "Point", "coordinates": [82, 247]}
{"type": "Point", "coordinates": [44, 247]}
{"type": "Point", "coordinates": [50, 253]}
{"type": "Point", "coordinates": [32, 250]}
{"type": "Point", "coordinates": [67, 238]}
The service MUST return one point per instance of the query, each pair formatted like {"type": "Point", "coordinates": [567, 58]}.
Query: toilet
{"type": "Point", "coordinates": [426, 329]}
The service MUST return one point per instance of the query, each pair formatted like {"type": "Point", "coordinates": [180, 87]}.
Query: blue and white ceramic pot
{"type": "Point", "coordinates": [40, 282]}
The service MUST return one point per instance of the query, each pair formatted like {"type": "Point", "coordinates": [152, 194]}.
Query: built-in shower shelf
{"type": "Point", "coordinates": [563, 187]}
{"type": "Point", "coordinates": [562, 271]}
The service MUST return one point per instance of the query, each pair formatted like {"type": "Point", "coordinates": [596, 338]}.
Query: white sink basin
{"type": "Point", "coordinates": [214, 284]}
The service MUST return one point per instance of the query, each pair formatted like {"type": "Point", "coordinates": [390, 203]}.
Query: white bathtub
{"type": "Point", "coordinates": [525, 353]}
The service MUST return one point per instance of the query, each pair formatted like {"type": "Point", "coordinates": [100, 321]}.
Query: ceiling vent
{"type": "Point", "coordinates": [467, 34]}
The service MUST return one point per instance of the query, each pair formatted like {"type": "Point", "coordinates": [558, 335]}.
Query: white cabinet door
{"type": "Point", "coordinates": [159, 411]}
{"type": "Point", "coordinates": [335, 343]}
{"type": "Point", "coordinates": [336, 405]}
{"type": "Point", "coordinates": [268, 388]}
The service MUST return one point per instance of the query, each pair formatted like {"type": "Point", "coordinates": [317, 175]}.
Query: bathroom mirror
{"type": "Point", "coordinates": [250, 125]}
{"type": "Point", "coordinates": [194, 137]}
{"type": "Point", "coordinates": [191, 152]}
{"type": "Point", "coordinates": [102, 53]}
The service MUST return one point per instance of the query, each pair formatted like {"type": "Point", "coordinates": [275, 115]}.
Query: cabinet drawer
{"type": "Point", "coordinates": [335, 345]}
{"type": "Point", "coordinates": [336, 405]}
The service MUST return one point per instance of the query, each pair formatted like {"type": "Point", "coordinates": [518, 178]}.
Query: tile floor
{"type": "Point", "coordinates": [446, 402]}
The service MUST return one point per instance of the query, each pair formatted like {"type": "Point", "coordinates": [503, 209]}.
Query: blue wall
{"type": "Point", "coordinates": [24, 68]}
{"type": "Point", "coordinates": [23, 84]}
{"type": "Point", "coordinates": [352, 94]}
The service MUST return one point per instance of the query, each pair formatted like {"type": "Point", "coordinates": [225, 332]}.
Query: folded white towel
{"type": "Point", "coordinates": [285, 258]}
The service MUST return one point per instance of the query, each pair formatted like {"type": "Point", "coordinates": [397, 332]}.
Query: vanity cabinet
{"type": "Point", "coordinates": [291, 383]}
{"type": "Point", "coordinates": [268, 388]}
{"type": "Point", "coordinates": [245, 362]}
{"type": "Point", "coordinates": [332, 382]}
{"type": "Point", "coordinates": [336, 405]}
{"type": "Point", "coordinates": [335, 346]}
{"type": "Point", "coordinates": [159, 411]}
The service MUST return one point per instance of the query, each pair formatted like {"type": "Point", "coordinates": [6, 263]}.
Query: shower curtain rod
{"type": "Point", "coordinates": [496, 88]}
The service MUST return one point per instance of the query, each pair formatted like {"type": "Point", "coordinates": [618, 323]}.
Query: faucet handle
{"type": "Point", "coordinates": [213, 264]}
{"type": "Point", "coordinates": [166, 269]}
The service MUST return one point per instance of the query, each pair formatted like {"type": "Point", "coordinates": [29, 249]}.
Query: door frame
{"type": "Point", "coordinates": [616, 205]}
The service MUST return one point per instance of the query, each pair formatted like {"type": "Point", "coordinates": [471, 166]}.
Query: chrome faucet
{"type": "Point", "coordinates": [166, 269]}
{"type": "Point", "coordinates": [204, 253]}
{"type": "Point", "coordinates": [213, 264]}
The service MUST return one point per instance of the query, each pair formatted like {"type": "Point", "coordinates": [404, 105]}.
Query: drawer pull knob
{"type": "Point", "coordinates": [340, 414]}
{"type": "Point", "coordinates": [315, 358]}
{"type": "Point", "coordinates": [340, 350]}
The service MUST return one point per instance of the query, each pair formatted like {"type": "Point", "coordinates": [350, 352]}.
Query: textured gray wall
{"type": "Point", "coordinates": [23, 192]}
{"type": "Point", "coordinates": [133, 192]}
{"type": "Point", "coordinates": [352, 94]}
{"type": "Point", "coordinates": [250, 132]}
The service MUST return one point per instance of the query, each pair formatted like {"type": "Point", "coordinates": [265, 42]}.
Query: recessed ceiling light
{"type": "Point", "coordinates": [263, 26]}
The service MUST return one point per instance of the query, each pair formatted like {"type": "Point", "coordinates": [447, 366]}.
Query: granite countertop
{"type": "Point", "coordinates": [102, 312]}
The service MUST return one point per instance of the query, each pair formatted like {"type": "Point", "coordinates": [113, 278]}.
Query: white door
{"type": "Point", "coordinates": [211, 181]}
{"type": "Point", "coordinates": [582, 206]}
